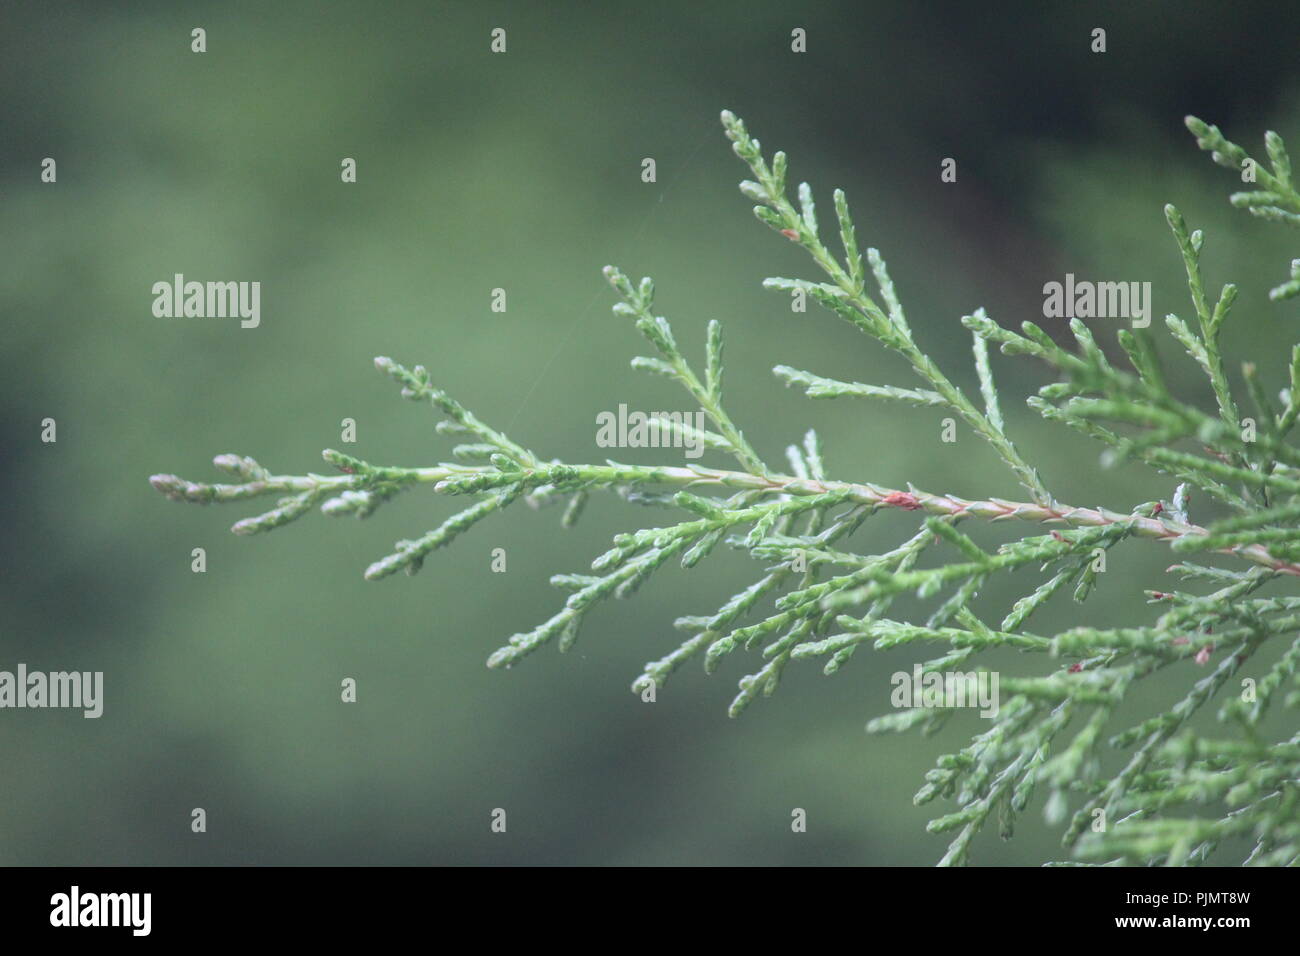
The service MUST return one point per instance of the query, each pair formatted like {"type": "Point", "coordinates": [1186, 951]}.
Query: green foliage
{"type": "Point", "coordinates": [1179, 793]}
{"type": "Point", "coordinates": [1274, 197]}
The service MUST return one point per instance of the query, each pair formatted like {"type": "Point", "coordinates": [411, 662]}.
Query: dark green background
{"type": "Point", "coordinates": [522, 171]}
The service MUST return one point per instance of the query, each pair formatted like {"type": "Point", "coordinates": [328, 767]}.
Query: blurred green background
{"type": "Point", "coordinates": [522, 171]}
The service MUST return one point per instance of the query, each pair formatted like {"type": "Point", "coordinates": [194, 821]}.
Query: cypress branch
{"type": "Point", "coordinates": [820, 594]}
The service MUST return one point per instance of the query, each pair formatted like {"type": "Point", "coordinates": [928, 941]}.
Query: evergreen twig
{"type": "Point", "coordinates": [818, 598]}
